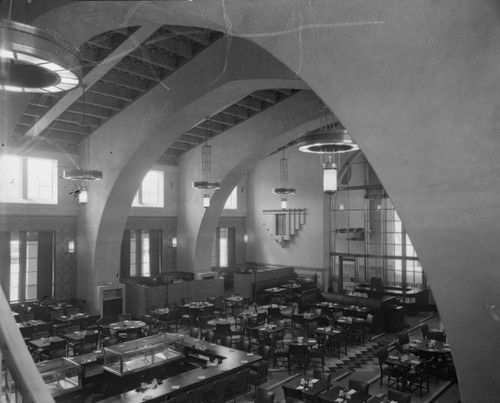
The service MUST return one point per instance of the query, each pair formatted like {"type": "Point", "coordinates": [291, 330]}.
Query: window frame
{"type": "Point", "coordinates": [140, 198]}
{"type": "Point", "coordinates": [26, 181]}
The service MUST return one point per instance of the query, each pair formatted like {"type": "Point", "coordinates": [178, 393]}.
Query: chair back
{"type": "Point", "coordinates": [323, 376]}
{"type": "Point", "coordinates": [382, 355]}
{"type": "Point", "coordinates": [244, 345]}
{"type": "Point", "coordinates": [84, 348]}
{"type": "Point", "coordinates": [359, 386]}
{"type": "Point", "coordinates": [222, 329]}
{"type": "Point", "coordinates": [424, 327]}
{"type": "Point", "coordinates": [124, 316]}
{"type": "Point", "coordinates": [403, 338]}
{"type": "Point", "coordinates": [398, 397]}
{"type": "Point", "coordinates": [264, 396]}
{"type": "Point", "coordinates": [226, 340]}
{"type": "Point", "coordinates": [264, 351]}
{"type": "Point", "coordinates": [209, 336]}
{"type": "Point", "coordinates": [91, 338]}
{"type": "Point", "coordinates": [273, 313]}
{"type": "Point", "coordinates": [194, 332]}
{"type": "Point", "coordinates": [297, 352]}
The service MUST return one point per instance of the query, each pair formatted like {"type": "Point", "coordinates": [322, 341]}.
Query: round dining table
{"type": "Point", "coordinates": [430, 346]}
{"type": "Point", "coordinates": [127, 325]}
{"type": "Point", "coordinates": [222, 321]}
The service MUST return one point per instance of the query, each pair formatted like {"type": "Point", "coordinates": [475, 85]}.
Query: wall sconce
{"type": "Point", "coordinates": [71, 246]}
{"type": "Point", "coordinates": [245, 238]}
{"type": "Point", "coordinates": [174, 242]}
{"type": "Point", "coordinates": [83, 196]}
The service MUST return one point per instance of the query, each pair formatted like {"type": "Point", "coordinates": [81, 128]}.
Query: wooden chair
{"type": "Point", "coordinates": [388, 371]}
{"type": "Point", "coordinates": [259, 376]}
{"type": "Point", "coordinates": [124, 316]}
{"type": "Point", "coordinates": [418, 378]}
{"type": "Point", "coordinates": [264, 396]}
{"type": "Point", "coordinates": [297, 354]}
{"type": "Point", "coordinates": [424, 327]}
{"type": "Point", "coordinates": [194, 332]}
{"type": "Point", "coordinates": [360, 386]}
{"type": "Point", "coordinates": [216, 392]}
{"type": "Point", "coordinates": [209, 336]}
{"type": "Point", "coordinates": [323, 376]}
{"type": "Point", "coordinates": [239, 384]}
{"type": "Point", "coordinates": [398, 397]}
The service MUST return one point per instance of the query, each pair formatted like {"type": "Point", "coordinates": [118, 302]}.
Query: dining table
{"type": "Point", "coordinates": [404, 363]}
{"type": "Point", "coordinates": [127, 325]}
{"type": "Point", "coordinates": [44, 342]}
{"type": "Point", "coordinates": [430, 346]}
{"type": "Point", "coordinates": [222, 321]}
{"type": "Point", "coordinates": [339, 392]}
{"type": "Point", "coordinates": [78, 335]}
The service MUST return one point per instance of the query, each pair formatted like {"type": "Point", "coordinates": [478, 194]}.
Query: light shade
{"type": "Point", "coordinates": [245, 238]}
{"type": "Point", "coordinates": [206, 200]}
{"type": "Point", "coordinates": [284, 203]}
{"type": "Point", "coordinates": [82, 174]}
{"type": "Point", "coordinates": [83, 196]}
{"type": "Point", "coordinates": [71, 246]}
{"type": "Point", "coordinates": [327, 140]}
{"type": "Point", "coordinates": [34, 61]}
{"type": "Point", "coordinates": [329, 180]}
{"type": "Point", "coordinates": [174, 242]}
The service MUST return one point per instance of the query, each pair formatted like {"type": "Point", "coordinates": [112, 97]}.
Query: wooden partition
{"type": "Point", "coordinates": [140, 298]}
{"type": "Point", "coordinates": [265, 276]}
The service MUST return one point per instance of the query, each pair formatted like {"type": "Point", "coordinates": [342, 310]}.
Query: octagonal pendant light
{"type": "Point", "coordinates": [35, 61]}
{"type": "Point", "coordinates": [328, 142]}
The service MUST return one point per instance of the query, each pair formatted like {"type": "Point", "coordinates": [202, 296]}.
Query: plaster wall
{"type": "Point", "coordinates": [306, 249]}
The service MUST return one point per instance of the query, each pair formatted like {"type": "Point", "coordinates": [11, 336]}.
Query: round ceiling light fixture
{"type": "Point", "coordinates": [327, 140]}
{"type": "Point", "coordinates": [33, 61]}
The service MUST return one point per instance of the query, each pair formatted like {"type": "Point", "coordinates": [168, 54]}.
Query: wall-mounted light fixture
{"type": "Point", "coordinates": [71, 246]}
{"type": "Point", "coordinates": [174, 242]}
{"type": "Point", "coordinates": [245, 238]}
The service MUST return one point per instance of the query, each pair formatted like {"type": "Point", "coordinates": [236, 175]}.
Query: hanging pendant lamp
{"type": "Point", "coordinates": [83, 172]}
{"type": "Point", "coordinates": [284, 190]}
{"type": "Point", "coordinates": [206, 184]}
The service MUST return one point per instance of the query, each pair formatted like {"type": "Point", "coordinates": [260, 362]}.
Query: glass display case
{"type": "Point", "coordinates": [143, 354]}
{"type": "Point", "coordinates": [61, 375]}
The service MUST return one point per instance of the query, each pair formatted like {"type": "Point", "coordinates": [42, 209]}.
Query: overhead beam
{"type": "Point", "coordinates": [129, 45]}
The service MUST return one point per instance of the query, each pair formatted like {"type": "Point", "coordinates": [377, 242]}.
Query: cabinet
{"type": "Point", "coordinates": [128, 364]}
{"type": "Point", "coordinates": [61, 376]}
{"type": "Point", "coordinates": [111, 300]}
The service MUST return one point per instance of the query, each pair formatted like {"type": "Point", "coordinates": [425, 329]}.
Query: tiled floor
{"type": "Point", "coordinates": [361, 363]}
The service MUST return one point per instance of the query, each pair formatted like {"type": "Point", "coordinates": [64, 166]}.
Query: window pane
{"type": "Point", "coordinates": [10, 178]}
{"type": "Point", "coordinates": [145, 269]}
{"type": "Point", "coordinates": [133, 254]}
{"type": "Point", "coordinates": [223, 247]}
{"type": "Point", "coordinates": [232, 200]}
{"type": "Point", "coordinates": [150, 193]}
{"type": "Point", "coordinates": [42, 180]}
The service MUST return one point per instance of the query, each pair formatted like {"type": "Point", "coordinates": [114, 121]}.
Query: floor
{"type": "Point", "coordinates": [361, 364]}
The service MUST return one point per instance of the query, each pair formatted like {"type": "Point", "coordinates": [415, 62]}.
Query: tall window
{"type": "Point", "coordinates": [223, 251]}
{"type": "Point", "coordinates": [29, 259]}
{"type": "Point", "coordinates": [28, 180]}
{"type": "Point", "coordinates": [141, 253]}
{"type": "Point", "coordinates": [232, 200]}
{"type": "Point", "coordinates": [150, 193]}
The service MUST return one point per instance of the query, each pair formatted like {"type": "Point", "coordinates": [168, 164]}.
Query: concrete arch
{"type": "Point", "coordinates": [102, 220]}
{"type": "Point", "coordinates": [256, 139]}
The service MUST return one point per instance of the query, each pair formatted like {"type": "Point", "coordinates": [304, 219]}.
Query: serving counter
{"type": "Point", "coordinates": [213, 362]}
